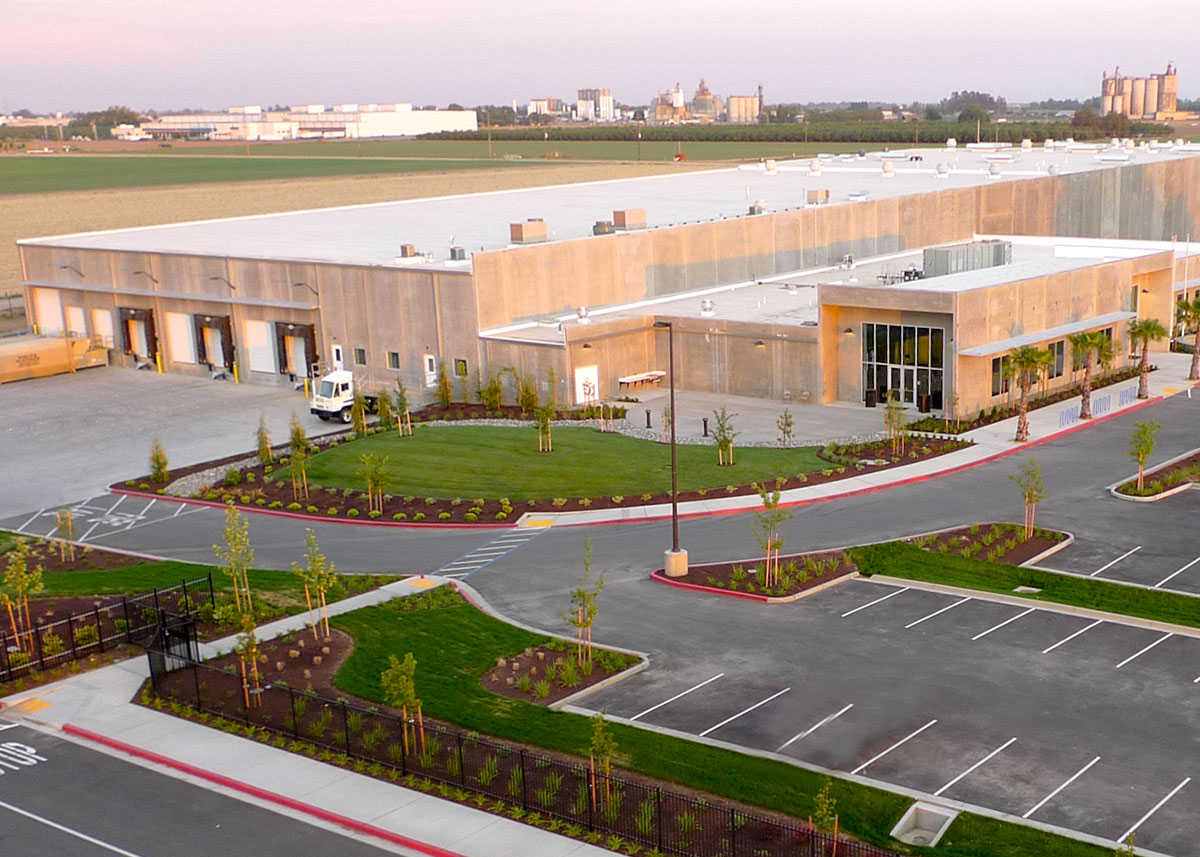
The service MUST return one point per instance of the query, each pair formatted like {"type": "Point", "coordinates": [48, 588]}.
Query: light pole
{"type": "Point", "coordinates": [676, 564]}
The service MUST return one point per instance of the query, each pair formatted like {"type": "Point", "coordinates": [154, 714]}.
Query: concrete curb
{"type": "Point", "coordinates": [1050, 551]}
{"type": "Point", "coordinates": [1050, 606]}
{"type": "Point", "coordinates": [261, 794]}
{"type": "Point", "coordinates": [1170, 492]}
{"type": "Point", "coordinates": [659, 577]}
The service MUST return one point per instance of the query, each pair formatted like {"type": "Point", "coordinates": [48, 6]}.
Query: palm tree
{"type": "Point", "coordinates": [1140, 335]}
{"type": "Point", "coordinates": [1025, 364]}
{"type": "Point", "coordinates": [1094, 347]}
{"type": "Point", "coordinates": [1188, 313]}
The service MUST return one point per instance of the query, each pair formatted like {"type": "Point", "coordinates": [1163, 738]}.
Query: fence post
{"type": "Point", "coordinates": [658, 814]}
{"type": "Point", "coordinates": [128, 624]}
{"type": "Point", "coordinates": [99, 630]}
{"type": "Point", "coordinates": [196, 681]}
{"type": "Point", "coordinates": [187, 607]}
{"type": "Point", "coordinates": [462, 768]}
{"type": "Point", "coordinates": [591, 801]}
{"type": "Point", "coordinates": [295, 719]}
{"type": "Point", "coordinates": [346, 729]}
{"type": "Point", "coordinates": [71, 634]}
{"type": "Point", "coordinates": [732, 833]}
{"type": "Point", "coordinates": [212, 599]}
{"type": "Point", "coordinates": [157, 609]}
{"type": "Point", "coordinates": [37, 644]}
{"type": "Point", "coordinates": [403, 756]}
{"type": "Point", "coordinates": [524, 784]}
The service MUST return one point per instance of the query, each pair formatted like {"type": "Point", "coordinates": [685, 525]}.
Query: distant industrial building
{"type": "Point", "coordinates": [306, 122]}
{"type": "Point", "coordinates": [744, 109]}
{"type": "Point", "coordinates": [836, 279]}
{"type": "Point", "coordinates": [595, 105]}
{"type": "Point", "coordinates": [1154, 98]}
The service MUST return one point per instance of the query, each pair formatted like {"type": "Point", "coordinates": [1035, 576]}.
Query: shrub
{"type": "Point", "coordinates": [399, 516]}
{"type": "Point", "coordinates": [584, 501]}
{"type": "Point", "coordinates": [275, 504]}
{"type": "Point", "coordinates": [559, 502]}
{"type": "Point", "coordinates": [52, 644]}
{"type": "Point", "coordinates": [87, 635]}
{"type": "Point", "coordinates": [294, 507]}
{"type": "Point", "coordinates": [374, 513]}
{"type": "Point", "coordinates": [233, 476]}
{"type": "Point", "coordinates": [618, 499]}
{"type": "Point", "coordinates": [332, 510]}
{"type": "Point", "coordinates": [352, 513]}
{"type": "Point", "coordinates": [420, 516]}
{"type": "Point", "coordinates": [500, 516]}
{"type": "Point", "coordinates": [470, 517]}
{"type": "Point", "coordinates": [261, 501]}
{"type": "Point", "coordinates": [250, 477]}
{"type": "Point", "coordinates": [647, 497]}
{"type": "Point", "coordinates": [443, 516]}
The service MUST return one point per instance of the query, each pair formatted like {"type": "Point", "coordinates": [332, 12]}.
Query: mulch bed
{"type": "Point", "coordinates": [1004, 543]}
{"type": "Point", "coordinates": [798, 573]}
{"type": "Point", "coordinates": [547, 664]}
{"type": "Point", "coordinates": [256, 490]}
{"type": "Point", "coordinates": [1164, 478]}
{"type": "Point", "coordinates": [52, 560]}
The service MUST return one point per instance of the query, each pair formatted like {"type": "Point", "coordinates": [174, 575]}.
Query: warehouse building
{"type": "Point", "coordinates": [813, 281]}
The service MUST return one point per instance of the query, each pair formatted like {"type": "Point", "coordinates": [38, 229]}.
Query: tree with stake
{"type": "Point", "coordinates": [236, 557]}
{"type": "Point", "coordinates": [444, 394]}
{"type": "Point", "coordinates": [1141, 446]}
{"type": "Point", "coordinates": [1094, 347]}
{"type": "Point", "coordinates": [383, 407]}
{"type": "Point", "coordinates": [297, 437]}
{"type": "Point", "coordinates": [358, 414]}
{"type": "Point", "coordinates": [1024, 364]}
{"type": "Point", "coordinates": [374, 472]}
{"type": "Point", "coordinates": [602, 748]}
{"type": "Point", "coordinates": [583, 606]}
{"type": "Point", "coordinates": [299, 472]}
{"type": "Point", "coordinates": [20, 582]}
{"type": "Point", "coordinates": [1188, 313]}
{"type": "Point", "coordinates": [263, 438]}
{"type": "Point", "coordinates": [247, 649]}
{"type": "Point", "coordinates": [400, 691]}
{"type": "Point", "coordinates": [766, 528]}
{"type": "Point", "coordinates": [1141, 334]}
{"type": "Point", "coordinates": [545, 415]}
{"type": "Point", "coordinates": [786, 425]}
{"type": "Point", "coordinates": [310, 574]}
{"type": "Point", "coordinates": [724, 434]}
{"type": "Point", "coordinates": [824, 817]}
{"type": "Point", "coordinates": [403, 417]}
{"type": "Point", "coordinates": [893, 422]}
{"type": "Point", "coordinates": [159, 473]}
{"type": "Point", "coordinates": [64, 529]}
{"type": "Point", "coordinates": [1033, 491]}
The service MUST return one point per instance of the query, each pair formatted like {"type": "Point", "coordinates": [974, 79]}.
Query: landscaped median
{"type": "Point", "coordinates": [513, 756]}
{"type": "Point", "coordinates": [475, 474]}
{"type": "Point", "coordinates": [1170, 478]}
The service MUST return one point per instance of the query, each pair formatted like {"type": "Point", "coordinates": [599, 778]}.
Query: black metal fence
{"type": "Point", "coordinates": [566, 796]}
{"type": "Point", "coordinates": [131, 619]}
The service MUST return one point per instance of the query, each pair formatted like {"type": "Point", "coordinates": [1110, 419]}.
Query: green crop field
{"type": "Point", "coordinates": [39, 174]}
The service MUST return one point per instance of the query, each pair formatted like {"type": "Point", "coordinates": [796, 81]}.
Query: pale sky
{"type": "Point", "coordinates": [86, 54]}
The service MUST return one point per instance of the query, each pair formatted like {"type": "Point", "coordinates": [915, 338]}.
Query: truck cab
{"type": "Point", "coordinates": [333, 396]}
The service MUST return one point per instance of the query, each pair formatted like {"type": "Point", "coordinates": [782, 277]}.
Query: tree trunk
{"type": "Point", "coordinates": [1141, 473]}
{"type": "Point", "coordinates": [1085, 391]}
{"type": "Point", "coordinates": [1023, 409]}
{"type": "Point", "coordinates": [324, 611]}
{"type": "Point", "coordinates": [12, 619]}
{"type": "Point", "coordinates": [404, 724]}
{"type": "Point", "coordinates": [1195, 373]}
{"type": "Point", "coordinates": [1144, 379]}
{"type": "Point", "coordinates": [421, 728]}
{"type": "Point", "coordinates": [312, 619]}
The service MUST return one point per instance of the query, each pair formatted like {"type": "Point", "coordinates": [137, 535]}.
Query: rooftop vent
{"type": "Point", "coordinates": [757, 207]}
{"type": "Point", "coordinates": [581, 315]}
{"type": "Point", "coordinates": [1053, 169]}
{"type": "Point", "coordinates": [856, 195]}
{"type": "Point", "coordinates": [942, 171]}
{"type": "Point", "coordinates": [630, 218]}
{"type": "Point", "coordinates": [889, 170]}
{"type": "Point", "coordinates": [408, 251]}
{"type": "Point", "coordinates": [818, 197]}
{"type": "Point", "coordinates": [708, 308]}
{"type": "Point", "coordinates": [458, 254]}
{"type": "Point", "coordinates": [814, 167]}
{"type": "Point", "coordinates": [603, 227]}
{"type": "Point", "coordinates": [529, 232]}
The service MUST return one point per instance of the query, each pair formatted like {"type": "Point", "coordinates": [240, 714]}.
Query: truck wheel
{"type": "Point", "coordinates": [323, 417]}
{"type": "Point", "coordinates": [346, 416]}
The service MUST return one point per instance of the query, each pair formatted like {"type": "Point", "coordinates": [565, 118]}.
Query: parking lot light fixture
{"type": "Point", "coordinates": [676, 564]}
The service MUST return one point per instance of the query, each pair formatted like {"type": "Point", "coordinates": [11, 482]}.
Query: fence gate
{"type": "Point", "coordinates": [173, 645]}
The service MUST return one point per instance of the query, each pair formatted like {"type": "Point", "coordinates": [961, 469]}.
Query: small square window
{"type": "Point", "coordinates": [360, 357]}
{"type": "Point", "coordinates": [460, 367]}
{"type": "Point", "coordinates": [393, 359]}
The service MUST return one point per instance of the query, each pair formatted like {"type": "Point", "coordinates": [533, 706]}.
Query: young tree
{"type": "Point", "coordinates": [545, 416]}
{"type": "Point", "coordinates": [299, 472]}
{"type": "Point", "coordinates": [1024, 364]}
{"type": "Point", "coordinates": [310, 575]}
{"type": "Point", "coordinates": [552, 383]}
{"type": "Point", "coordinates": [247, 650]}
{"type": "Point", "coordinates": [403, 418]}
{"type": "Point", "coordinates": [1094, 347]}
{"type": "Point", "coordinates": [358, 414]}
{"type": "Point", "coordinates": [893, 422]}
{"type": "Point", "coordinates": [583, 606]}
{"type": "Point", "coordinates": [492, 393]}
{"type": "Point", "coordinates": [236, 557]}
{"type": "Point", "coordinates": [444, 394]}
{"type": "Point", "coordinates": [383, 407]}
{"type": "Point", "coordinates": [263, 438]}
{"type": "Point", "coordinates": [950, 412]}
{"type": "Point", "coordinates": [824, 817]}
{"type": "Point", "coordinates": [766, 529]}
{"type": "Point", "coordinates": [724, 434]}
{"type": "Point", "coordinates": [1141, 446]}
{"type": "Point", "coordinates": [1188, 314]}
{"type": "Point", "coordinates": [21, 581]}
{"type": "Point", "coordinates": [399, 686]}
{"type": "Point", "coordinates": [64, 530]}
{"type": "Point", "coordinates": [297, 437]}
{"type": "Point", "coordinates": [602, 748]}
{"type": "Point", "coordinates": [159, 472]}
{"type": "Point", "coordinates": [1033, 491]}
{"type": "Point", "coordinates": [786, 425]}
{"type": "Point", "coordinates": [1141, 334]}
{"type": "Point", "coordinates": [527, 393]}
{"type": "Point", "coordinates": [374, 472]}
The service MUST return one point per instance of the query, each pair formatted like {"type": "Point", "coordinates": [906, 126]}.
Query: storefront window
{"type": "Point", "coordinates": [905, 361]}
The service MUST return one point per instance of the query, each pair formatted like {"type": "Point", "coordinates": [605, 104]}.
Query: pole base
{"type": "Point", "coordinates": [675, 563]}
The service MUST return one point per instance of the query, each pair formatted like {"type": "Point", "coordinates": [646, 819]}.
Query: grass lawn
{"type": "Point", "coordinates": [492, 462]}
{"type": "Point", "coordinates": [155, 575]}
{"type": "Point", "coordinates": [87, 172]}
{"type": "Point", "coordinates": [454, 646]}
{"type": "Point", "coordinates": [912, 563]}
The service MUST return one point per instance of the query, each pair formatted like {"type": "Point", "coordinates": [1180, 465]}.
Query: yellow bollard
{"type": "Point", "coordinates": [306, 387]}
{"type": "Point", "coordinates": [235, 374]}
{"type": "Point", "coordinates": [158, 361]}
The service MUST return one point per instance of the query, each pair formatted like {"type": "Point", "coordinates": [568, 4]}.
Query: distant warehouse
{"type": "Point", "coordinates": [305, 122]}
{"type": "Point", "coordinates": [832, 279]}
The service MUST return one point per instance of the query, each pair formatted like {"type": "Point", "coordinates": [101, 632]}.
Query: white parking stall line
{"type": "Point", "coordinates": [67, 830]}
{"type": "Point", "coordinates": [728, 720]}
{"type": "Point", "coordinates": [1161, 639]}
{"type": "Point", "coordinates": [811, 729]}
{"type": "Point", "coordinates": [1174, 574]}
{"type": "Point", "coordinates": [1125, 836]}
{"type": "Point", "coordinates": [1002, 624]}
{"type": "Point", "coordinates": [1109, 565]}
{"type": "Point", "coordinates": [938, 612]}
{"type": "Point", "coordinates": [978, 764]}
{"type": "Point", "coordinates": [114, 506]}
{"type": "Point", "coordinates": [906, 738]}
{"type": "Point", "coordinates": [182, 506]}
{"type": "Point", "coordinates": [1070, 780]}
{"type": "Point", "coordinates": [84, 537]}
{"type": "Point", "coordinates": [1071, 637]}
{"type": "Point", "coordinates": [677, 696]}
{"type": "Point", "coordinates": [876, 601]}
{"type": "Point", "coordinates": [35, 516]}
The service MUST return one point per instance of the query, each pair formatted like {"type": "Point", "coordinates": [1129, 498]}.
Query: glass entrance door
{"type": "Point", "coordinates": [904, 361]}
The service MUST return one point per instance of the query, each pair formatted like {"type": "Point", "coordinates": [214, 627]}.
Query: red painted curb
{"type": "Point", "coordinates": [658, 575]}
{"type": "Point", "coordinates": [263, 794]}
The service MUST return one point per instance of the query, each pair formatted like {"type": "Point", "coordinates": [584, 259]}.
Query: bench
{"type": "Point", "coordinates": [634, 382]}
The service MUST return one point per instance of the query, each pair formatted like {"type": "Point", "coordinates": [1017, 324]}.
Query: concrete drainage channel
{"type": "Point", "coordinates": [924, 824]}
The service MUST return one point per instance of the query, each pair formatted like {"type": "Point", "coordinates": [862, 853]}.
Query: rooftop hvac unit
{"type": "Point", "coordinates": [458, 254]}
{"type": "Point", "coordinates": [951, 143]}
{"type": "Point", "coordinates": [603, 227]}
{"type": "Point", "coordinates": [581, 315]}
{"type": "Point", "coordinates": [757, 207]}
{"type": "Point", "coordinates": [527, 232]}
{"type": "Point", "coordinates": [630, 218]}
{"type": "Point", "coordinates": [942, 171]}
{"type": "Point", "coordinates": [993, 171]}
{"type": "Point", "coordinates": [889, 170]}
{"type": "Point", "coordinates": [814, 167]}
{"type": "Point", "coordinates": [708, 308]}
{"type": "Point", "coordinates": [407, 251]}
{"type": "Point", "coordinates": [818, 197]}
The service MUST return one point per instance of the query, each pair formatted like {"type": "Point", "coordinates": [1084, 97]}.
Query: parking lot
{"type": "Point", "coordinates": [1160, 561]}
{"type": "Point", "coordinates": [1039, 714]}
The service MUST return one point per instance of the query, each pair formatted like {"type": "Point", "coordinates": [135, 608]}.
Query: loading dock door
{"type": "Point", "coordinates": [296, 346]}
{"type": "Point", "coordinates": [48, 305]}
{"type": "Point", "coordinates": [138, 336]}
{"type": "Point", "coordinates": [214, 340]}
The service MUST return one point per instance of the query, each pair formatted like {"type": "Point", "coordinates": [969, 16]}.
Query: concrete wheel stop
{"type": "Point", "coordinates": [924, 824]}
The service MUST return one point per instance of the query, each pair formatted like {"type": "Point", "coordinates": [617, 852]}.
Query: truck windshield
{"type": "Point", "coordinates": [326, 389]}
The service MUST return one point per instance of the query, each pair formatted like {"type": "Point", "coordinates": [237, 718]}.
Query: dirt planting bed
{"type": "Point", "coordinates": [796, 575]}
{"type": "Point", "coordinates": [995, 542]}
{"type": "Point", "coordinates": [546, 674]}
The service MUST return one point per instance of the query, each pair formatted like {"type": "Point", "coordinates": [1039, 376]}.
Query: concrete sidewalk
{"type": "Point", "coordinates": [990, 442]}
{"type": "Point", "coordinates": [96, 709]}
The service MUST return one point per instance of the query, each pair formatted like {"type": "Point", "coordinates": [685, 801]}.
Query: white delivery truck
{"type": "Point", "coordinates": [334, 396]}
